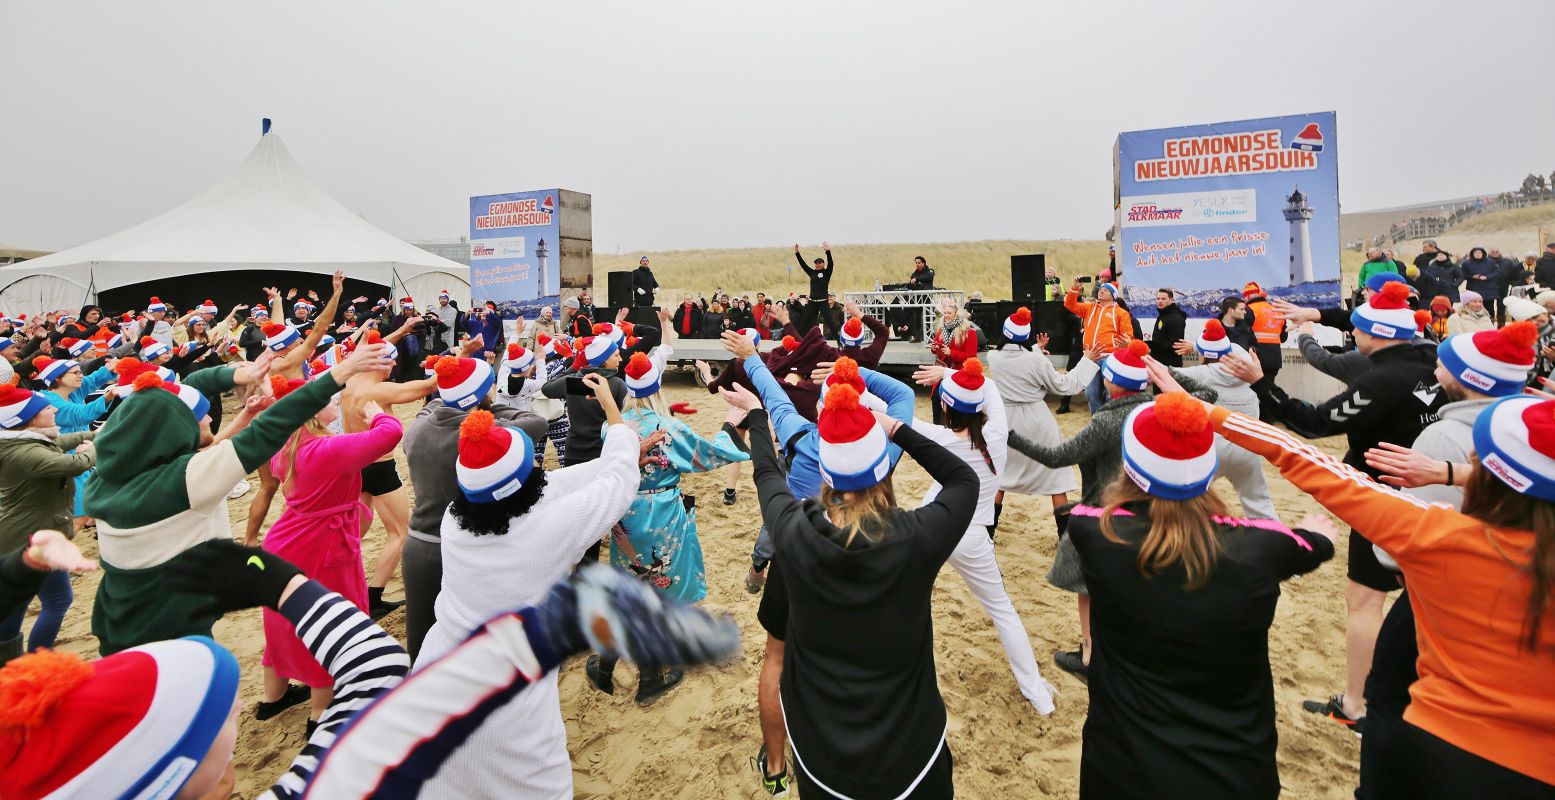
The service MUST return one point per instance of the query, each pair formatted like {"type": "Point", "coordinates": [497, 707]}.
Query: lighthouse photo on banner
{"type": "Point", "coordinates": [1204, 209]}
{"type": "Point", "coordinates": [514, 249]}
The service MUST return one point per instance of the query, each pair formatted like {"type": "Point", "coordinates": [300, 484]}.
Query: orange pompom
{"type": "Point", "coordinates": [1022, 316]}
{"type": "Point", "coordinates": [600, 328]}
{"type": "Point", "coordinates": [429, 362]}
{"type": "Point", "coordinates": [1179, 412]}
{"type": "Point", "coordinates": [1521, 334]}
{"type": "Point", "coordinates": [39, 362]}
{"type": "Point", "coordinates": [853, 327]}
{"type": "Point", "coordinates": [842, 398]}
{"type": "Point", "coordinates": [514, 351]}
{"type": "Point", "coordinates": [1422, 318]}
{"type": "Point", "coordinates": [317, 365]}
{"type": "Point", "coordinates": [972, 367]}
{"type": "Point", "coordinates": [273, 328]}
{"type": "Point", "coordinates": [543, 339]}
{"type": "Point", "coordinates": [476, 426]}
{"type": "Point", "coordinates": [11, 394]}
{"type": "Point", "coordinates": [147, 341]}
{"type": "Point", "coordinates": [155, 300]}
{"type": "Point", "coordinates": [844, 371]}
{"type": "Point", "coordinates": [1214, 329]}
{"type": "Point", "coordinates": [446, 366]}
{"type": "Point", "coordinates": [31, 686]}
{"type": "Point", "coordinates": [147, 380]}
{"type": "Point", "coordinates": [1139, 348]}
{"type": "Point", "coordinates": [374, 337]}
{"type": "Point", "coordinates": [1395, 294]}
{"type": "Point", "coordinates": [790, 343]}
{"type": "Point", "coordinates": [278, 385]}
{"type": "Point", "coordinates": [68, 342]}
{"type": "Point", "coordinates": [127, 366]}
{"type": "Point", "coordinates": [639, 366]}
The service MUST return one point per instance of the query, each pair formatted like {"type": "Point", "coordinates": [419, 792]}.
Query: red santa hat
{"type": "Point", "coordinates": [133, 724]}
{"type": "Point", "coordinates": [1494, 362]}
{"type": "Point", "coordinates": [1387, 314]}
{"type": "Point", "coordinates": [1169, 447]}
{"type": "Point", "coordinates": [963, 390]}
{"type": "Point", "coordinates": [642, 376]}
{"type": "Point", "coordinates": [1017, 326]}
{"type": "Point", "coordinates": [852, 334]}
{"type": "Point", "coordinates": [854, 450]}
{"type": "Point", "coordinates": [1126, 368]}
{"type": "Point", "coordinates": [463, 382]}
{"type": "Point", "coordinates": [493, 462]}
{"type": "Point", "coordinates": [151, 349]}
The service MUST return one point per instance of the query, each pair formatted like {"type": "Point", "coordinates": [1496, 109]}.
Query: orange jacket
{"type": "Point", "coordinates": [1101, 323]}
{"type": "Point", "coordinates": [1478, 688]}
{"type": "Point", "coordinates": [1267, 328]}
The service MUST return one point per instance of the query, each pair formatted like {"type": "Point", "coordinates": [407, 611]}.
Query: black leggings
{"type": "Point", "coordinates": [936, 782]}
{"type": "Point", "coordinates": [1420, 766]}
{"type": "Point", "coordinates": [1387, 690]}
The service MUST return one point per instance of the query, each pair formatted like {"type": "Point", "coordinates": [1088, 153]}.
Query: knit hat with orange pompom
{"type": "Point", "coordinates": [1515, 441]}
{"type": "Point", "coordinates": [518, 358]}
{"type": "Point", "coordinates": [852, 334]}
{"type": "Point", "coordinates": [1495, 362]}
{"type": "Point", "coordinates": [151, 349]}
{"type": "Point", "coordinates": [853, 449]}
{"type": "Point", "coordinates": [134, 724]}
{"type": "Point", "coordinates": [790, 343]}
{"type": "Point", "coordinates": [1126, 368]}
{"type": "Point", "coordinates": [430, 365]}
{"type": "Point", "coordinates": [494, 462]}
{"type": "Point", "coordinates": [191, 397]}
{"type": "Point", "coordinates": [278, 337]}
{"type": "Point", "coordinates": [281, 386]}
{"type": "Point", "coordinates": [1017, 326]}
{"type": "Point", "coordinates": [52, 369]}
{"type": "Point", "coordinates": [18, 405]}
{"type": "Point", "coordinates": [845, 373]}
{"type": "Point", "coordinates": [1387, 314]}
{"type": "Point", "coordinates": [75, 347]}
{"type": "Point", "coordinates": [1212, 343]}
{"type": "Point", "coordinates": [642, 376]}
{"type": "Point", "coordinates": [963, 390]}
{"type": "Point", "coordinates": [1169, 447]}
{"type": "Point", "coordinates": [463, 382]}
{"type": "Point", "coordinates": [374, 337]}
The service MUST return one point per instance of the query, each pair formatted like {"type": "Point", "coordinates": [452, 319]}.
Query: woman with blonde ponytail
{"type": "Point", "coordinates": [320, 531]}
{"type": "Point", "coordinates": [1182, 597]}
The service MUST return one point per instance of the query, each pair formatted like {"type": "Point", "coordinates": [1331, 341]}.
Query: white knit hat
{"type": "Point", "coordinates": [1521, 308]}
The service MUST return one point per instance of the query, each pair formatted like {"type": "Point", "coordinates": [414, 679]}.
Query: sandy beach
{"type": "Point", "coordinates": [699, 740]}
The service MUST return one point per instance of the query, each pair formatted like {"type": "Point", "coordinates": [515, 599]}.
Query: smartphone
{"type": "Point", "coordinates": [1083, 279]}
{"type": "Point", "coordinates": [577, 388]}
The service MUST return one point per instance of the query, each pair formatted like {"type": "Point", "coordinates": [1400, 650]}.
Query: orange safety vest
{"type": "Point", "coordinates": [1267, 327]}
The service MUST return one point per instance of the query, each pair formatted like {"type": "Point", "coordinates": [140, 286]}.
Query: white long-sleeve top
{"type": "Point", "coordinates": [522, 750]}
{"type": "Point", "coordinates": [996, 434]}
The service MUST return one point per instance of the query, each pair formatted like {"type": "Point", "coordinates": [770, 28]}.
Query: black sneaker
{"type": "Point", "coordinates": [295, 693]}
{"type": "Point", "coordinates": [776, 785]}
{"type": "Point", "coordinates": [313, 725]}
{"type": "Point", "coordinates": [384, 608]}
{"type": "Point", "coordinates": [598, 678]}
{"type": "Point", "coordinates": [729, 497]}
{"type": "Point", "coordinates": [1073, 662]}
{"type": "Point", "coordinates": [1063, 407]}
{"type": "Point", "coordinates": [1333, 708]}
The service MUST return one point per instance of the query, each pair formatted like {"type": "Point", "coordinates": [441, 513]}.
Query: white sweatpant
{"type": "Point", "coordinates": [974, 559]}
{"type": "Point", "coordinates": [1244, 469]}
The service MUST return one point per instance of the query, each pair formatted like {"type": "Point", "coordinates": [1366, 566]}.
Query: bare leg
{"type": "Point", "coordinates": [1059, 499]}
{"type": "Point", "coordinates": [1360, 639]}
{"type": "Point", "coordinates": [732, 475]}
{"type": "Point", "coordinates": [1085, 628]}
{"type": "Point", "coordinates": [260, 507]}
{"type": "Point", "coordinates": [394, 509]}
{"type": "Point", "coordinates": [319, 702]}
{"type": "Point", "coordinates": [275, 685]}
{"type": "Point", "coordinates": [774, 736]}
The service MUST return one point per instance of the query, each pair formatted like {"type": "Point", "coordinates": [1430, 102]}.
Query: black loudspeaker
{"type": "Point", "coordinates": [620, 289]}
{"type": "Point", "coordinates": [1026, 275]}
{"type": "Point", "coordinates": [989, 318]}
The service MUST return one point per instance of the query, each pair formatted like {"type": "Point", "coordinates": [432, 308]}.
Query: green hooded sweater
{"type": "Point", "coordinates": [156, 494]}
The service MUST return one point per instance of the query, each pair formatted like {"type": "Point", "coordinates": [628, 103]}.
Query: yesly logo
{"type": "Point", "coordinates": [1349, 407]}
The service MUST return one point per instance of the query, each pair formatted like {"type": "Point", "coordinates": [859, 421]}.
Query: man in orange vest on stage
{"type": "Point", "coordinates": [1104, 323]}
{"type": "Point", "coordinates": [1269, 333]}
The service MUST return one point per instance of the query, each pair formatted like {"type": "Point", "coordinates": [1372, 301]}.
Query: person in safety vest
{"type": "Point", "coordinates": [1268, 334]}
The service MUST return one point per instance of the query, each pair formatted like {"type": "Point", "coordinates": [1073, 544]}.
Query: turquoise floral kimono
{"type": "Point", "coordinates": [657, 539]}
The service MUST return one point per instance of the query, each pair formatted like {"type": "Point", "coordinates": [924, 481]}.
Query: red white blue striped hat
{"type": "Point", "coordinates": [493, 461]}
{"type": "Point", "coordinates": [151, 349]}
{"type": "Point", "coordinates": [519, 358]}
{"type": "Point", "coordinates": [1493, 362]}
{"type": "Point", "coordinates": [463, 382]}
{"type": "Point", "coordinates": [853, 449]}
{"type": "Point", "coordinates": [598, 349]}
{"type": "Point", "coordinates": [852, 333]}
{"type": "Point", "coordinates": [643, 376]}
{"type": "Point", "coordinates": [1515, 441]}
{"type": "Point", "coordinates": [279, 336]}
{"type": "Point", "coordinates": [963, 390]}
{"type": "Point", "coordinates": [1169, 447]}
{"type": "Point", "coordinates": [1126, 367]}
{"type": "Point", "coordinates": [1387, 314]}
{"type": "Point", "coordinates": [1017, 326]}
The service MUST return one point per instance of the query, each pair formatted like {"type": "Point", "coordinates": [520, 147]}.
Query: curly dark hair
{"type": "Point", "coordinates": [482, 519]}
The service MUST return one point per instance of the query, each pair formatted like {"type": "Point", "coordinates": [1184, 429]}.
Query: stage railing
{"type": "Point", "coordinates": [890, 304]}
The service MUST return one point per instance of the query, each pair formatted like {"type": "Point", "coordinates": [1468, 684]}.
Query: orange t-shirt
{"type": "Point", "coordinates": [1479, 688]}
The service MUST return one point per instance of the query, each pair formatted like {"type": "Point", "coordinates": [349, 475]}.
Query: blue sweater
{"type": "Point", "coordinates": [804, 471]}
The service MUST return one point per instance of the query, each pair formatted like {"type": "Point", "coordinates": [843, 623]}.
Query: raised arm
{"type": "Point", "coordinates": [780, 409]}
{"type": "Point", "coordinates": [899, 399]}
{"type": "Point", "coordinates": [945, 519]}
{"type": "Point", "coordinates": [1088, 444]}
{"type": "Point", "coordinates": [351, 452]}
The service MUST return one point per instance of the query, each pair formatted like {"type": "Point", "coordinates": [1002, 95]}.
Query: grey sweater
{"type": "Point", "coordinates": [1098, 447]}
{"type": "Point", "coordinates": [432, 450]}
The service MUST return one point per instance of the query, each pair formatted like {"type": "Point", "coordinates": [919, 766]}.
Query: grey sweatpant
{"type": "Point", "coordinates": [422, 568]}
{"type": "Point", "coordinates": [1244, 469]}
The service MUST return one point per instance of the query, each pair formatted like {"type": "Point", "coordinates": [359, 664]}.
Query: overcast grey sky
{"type": "Point", "coordinates": [700, 124]}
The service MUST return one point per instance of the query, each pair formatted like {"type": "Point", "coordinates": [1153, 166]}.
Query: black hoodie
{"type": "Point", "coordinates": [860, 696]}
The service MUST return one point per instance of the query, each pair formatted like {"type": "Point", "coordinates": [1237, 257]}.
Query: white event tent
{"type": "Point", "coordinates": [264, 215]}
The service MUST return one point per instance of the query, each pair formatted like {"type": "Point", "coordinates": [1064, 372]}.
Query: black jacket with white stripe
{"type": "Point", "coordinates": [1390, 402]}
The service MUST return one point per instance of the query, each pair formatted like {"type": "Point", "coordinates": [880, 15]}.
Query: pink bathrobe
{"type": "Point", "coordinates": [320, 531]}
